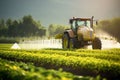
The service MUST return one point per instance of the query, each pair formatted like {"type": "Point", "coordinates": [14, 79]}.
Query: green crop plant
{"type": "Point", "coordinates": [87, 62]}
{"type": "Point", "coordinates": [10, 70]}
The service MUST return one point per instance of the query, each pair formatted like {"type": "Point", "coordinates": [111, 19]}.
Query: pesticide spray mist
{"type": "Point", "coordinates": [40, 44]}
{"type": "Point", "coordinates": [108, 42]}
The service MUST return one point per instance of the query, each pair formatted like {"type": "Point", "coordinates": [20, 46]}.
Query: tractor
{"type": "Point", "coordinates": [80, 34]}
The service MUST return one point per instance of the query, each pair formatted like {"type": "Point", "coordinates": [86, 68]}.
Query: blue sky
{"type": "Point", "coordinates": [59, 11]}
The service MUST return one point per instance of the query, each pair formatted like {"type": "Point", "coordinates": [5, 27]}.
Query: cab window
{"type": "Point", "coordinates": [73, 24]}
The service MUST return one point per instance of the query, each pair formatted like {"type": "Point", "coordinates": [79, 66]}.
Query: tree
{"type": "Point", "coordinates": [31, 27]}
{"type": "Point", "coordinates": [2, 24]}
{"type": "Point", "coordinates": [13, 29]}
{"type": "Point", "coordinates": [9, 22]}
{"type": "Point", "coordinates": [55, 29]}
{"type": "Point", "coordinates": [26, 27]}
{"type": "Point", "coordinates": [51, 30]}
{"type": "Point", "coordinates": [3, 28]}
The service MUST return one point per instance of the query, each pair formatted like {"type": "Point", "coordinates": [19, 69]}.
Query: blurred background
{"type": "Point", "coordinates": [29, 20]}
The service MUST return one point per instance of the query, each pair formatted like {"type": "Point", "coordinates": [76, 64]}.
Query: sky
{"type": "Point", "coordinates": [59, 11]}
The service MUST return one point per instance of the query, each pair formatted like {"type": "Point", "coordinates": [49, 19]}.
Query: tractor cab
{"type": "Point", "coordinates": [80, 22]}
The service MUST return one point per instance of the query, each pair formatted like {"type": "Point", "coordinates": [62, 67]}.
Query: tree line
{"type": "Point", "coordinates": [28, 27]}
{"type": "Point", "coordinates": [21, 28]}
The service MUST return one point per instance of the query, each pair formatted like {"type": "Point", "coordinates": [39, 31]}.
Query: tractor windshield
{"type": "Point", "coordinates": [83, 23]}
{"type": "Point", "coordinates": [77, 23]}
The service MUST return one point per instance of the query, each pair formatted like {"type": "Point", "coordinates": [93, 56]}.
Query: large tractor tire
{"type": "Point", "coordinates": [67, 43]}
{"type": "Point", "coordinates": [96, 44]}
{"type": "Point", "coordinates": [71, 44]}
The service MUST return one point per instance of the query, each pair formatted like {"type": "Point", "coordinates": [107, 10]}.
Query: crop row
{"type": "Point", "coordinates": [78, 65]}
{"type": "Point", "coordinates": [105, 54]}
{"type": "Point", "coordinates": [10, 70]}
{"type": "Point", "coordinates": [110, 56]}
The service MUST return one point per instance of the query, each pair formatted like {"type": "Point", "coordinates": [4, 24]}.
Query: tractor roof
{"type": "Point", "coordinates": [80, 19]}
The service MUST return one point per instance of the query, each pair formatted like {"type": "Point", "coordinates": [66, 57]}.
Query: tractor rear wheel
{"type": "Point", "coordinates": [96, 44]}
{"type": "Point", "coordinates": [65, 41]}
{"type": "Point", "coordinates": [71, 44]}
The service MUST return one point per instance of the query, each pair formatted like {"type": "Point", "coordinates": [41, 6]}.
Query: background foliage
{"type": "Point", "coordinates": [111, 26]}
{"type": "Point", "coordinates": [28, 27]}
{"type": "Point", "coordinates": [21, 28]}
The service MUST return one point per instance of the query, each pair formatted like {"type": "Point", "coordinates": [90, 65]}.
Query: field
{"type": "Point", "coordinates": [79, 64]}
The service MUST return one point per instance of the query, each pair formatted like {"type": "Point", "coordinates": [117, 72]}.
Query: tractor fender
{"type": "Point", "coordinates": [70, 33]}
